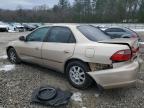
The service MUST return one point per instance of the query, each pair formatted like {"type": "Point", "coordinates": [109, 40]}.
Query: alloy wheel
{"type": "Point", "coordinates": [12, 56]}
{"type": "Point", "coordinates": [77, 75]}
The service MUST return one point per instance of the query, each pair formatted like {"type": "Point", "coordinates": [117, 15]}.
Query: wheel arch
{"type": "Point", "coordinates": [76, 59]}
{"type": "Point", "coordinates": [72, 60]}
{"type": "Point", "coordinates": [9, 47]}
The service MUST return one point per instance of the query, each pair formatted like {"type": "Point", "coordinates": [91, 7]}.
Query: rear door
{"type": "Point", "coordinates": [30, 50]}
{"type": "Point", "coordinates": [58, 47]}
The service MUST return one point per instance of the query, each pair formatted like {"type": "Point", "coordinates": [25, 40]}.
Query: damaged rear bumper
{"type": "Point", "coordinates": [117, 77]}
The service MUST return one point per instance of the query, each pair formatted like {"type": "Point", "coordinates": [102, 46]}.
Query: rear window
{"type": "Point", "coordinates": [92, 33]}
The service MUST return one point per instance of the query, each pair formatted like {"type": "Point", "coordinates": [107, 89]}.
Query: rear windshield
{"type": "Point", "coordinates": [92, 33]}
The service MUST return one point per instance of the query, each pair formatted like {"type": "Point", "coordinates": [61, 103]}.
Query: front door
{"type": "Point", "coordinates": [30, 50]}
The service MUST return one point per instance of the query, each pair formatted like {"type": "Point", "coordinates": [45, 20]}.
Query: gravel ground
{"type": "Point", "coordinates": [18, 81]}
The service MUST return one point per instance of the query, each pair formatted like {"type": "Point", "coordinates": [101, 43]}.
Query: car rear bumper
{"type": "Point", "coordinates": [117, 77]}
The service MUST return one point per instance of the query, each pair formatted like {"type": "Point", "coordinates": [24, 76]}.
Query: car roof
{"type": "Point", "coordinates": [64, 24]}
{"type": "Point", "coordinates": [117, 27]}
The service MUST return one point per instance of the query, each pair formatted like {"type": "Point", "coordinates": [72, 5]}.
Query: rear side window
{"type": "Point", "coordinates": [61, 35]}
{"type": "Point", "coordinates": [114, 30]}
{"type": "Point", "coordinates": [92, 33]}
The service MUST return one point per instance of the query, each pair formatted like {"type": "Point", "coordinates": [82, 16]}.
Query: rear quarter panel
{"type": "Point", "coordinates": [97, 52]}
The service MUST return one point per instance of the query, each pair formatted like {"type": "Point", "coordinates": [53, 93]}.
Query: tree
{"type": "Point", "coordinates": [99, 10]}
{"type": "Point", "coordinates": [84, 11]}
{"type": "Point", "coordinates": [141, 11]}
{"type": "Point", "coordinates": [63, 4]}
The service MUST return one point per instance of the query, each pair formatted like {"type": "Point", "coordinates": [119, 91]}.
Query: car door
{"type": "Point", "coordinates": [30, 50]}
{"type": "Point", "coordinates": [58, 48]}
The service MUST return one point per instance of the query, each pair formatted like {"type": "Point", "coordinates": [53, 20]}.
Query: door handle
{"type": "Point", "coordinates": [66, 51]}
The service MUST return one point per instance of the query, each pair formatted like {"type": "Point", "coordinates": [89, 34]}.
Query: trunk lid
{"type": "Point", "coordinates": [132, 43]}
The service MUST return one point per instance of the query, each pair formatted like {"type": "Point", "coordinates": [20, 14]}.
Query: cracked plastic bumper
{"type": "Point", "coordinates": [117, 77]}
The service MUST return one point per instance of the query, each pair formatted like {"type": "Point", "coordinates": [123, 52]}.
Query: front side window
{"type": "Point", "coordinates": [61, 35]}
{"type": "Point", "coordinates": [92, 33]}
{"type": "Point", "coordinates": [38, 35]}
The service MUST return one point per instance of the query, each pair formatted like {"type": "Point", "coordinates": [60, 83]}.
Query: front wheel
{"type": "Point", "coordinates": [13, 57]}
{"type": "Point", "coordinates": [77, 76]}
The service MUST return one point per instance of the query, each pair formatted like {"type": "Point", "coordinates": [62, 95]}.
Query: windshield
{"type": "Point", "coordinates": [92, 33]}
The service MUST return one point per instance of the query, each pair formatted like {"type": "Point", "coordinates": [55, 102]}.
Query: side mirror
{"type": "Point", "coordinates": [22, 38]}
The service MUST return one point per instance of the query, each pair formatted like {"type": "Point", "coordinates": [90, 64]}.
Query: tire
{"type": "Point", "coordinates": [13, 57]}
{"type": "Point", "coordinates": [77, 76]}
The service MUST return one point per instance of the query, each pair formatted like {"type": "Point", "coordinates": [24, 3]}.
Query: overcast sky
{"type": "Point", "coordinates": [13, 4]}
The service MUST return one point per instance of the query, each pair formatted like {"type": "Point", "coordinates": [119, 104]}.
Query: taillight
{"type": "Point", "coordinates": [122, 55]}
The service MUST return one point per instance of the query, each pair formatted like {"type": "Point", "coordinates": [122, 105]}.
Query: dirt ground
{"type": "Point", "coordinates": [17, 82]}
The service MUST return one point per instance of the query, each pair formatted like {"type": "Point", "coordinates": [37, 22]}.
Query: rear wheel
{"type": "Point", "coordinates": [13, 57]}
{"type": "Point", "coordinates": [77, 76]}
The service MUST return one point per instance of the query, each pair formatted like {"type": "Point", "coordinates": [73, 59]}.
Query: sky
{"type": "Point", "coordinates": [27, 4]}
